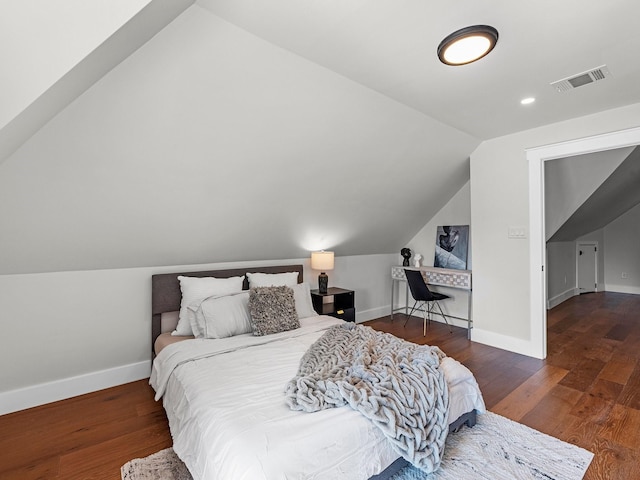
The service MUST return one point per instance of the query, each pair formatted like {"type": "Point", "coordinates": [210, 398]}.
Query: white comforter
{"type": "Point", "coordinates": [225, 404]}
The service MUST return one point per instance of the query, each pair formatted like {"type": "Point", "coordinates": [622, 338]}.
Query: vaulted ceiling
{"type": "Point", "coordinates": [157, 132]}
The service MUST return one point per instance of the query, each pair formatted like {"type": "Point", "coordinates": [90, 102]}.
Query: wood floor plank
{"type": "Point", "coordinates": [592, 409]}
{"type": "Point", "coordinates": [53, 431]}
{"type": "Point", "coordinates": [618, 369]}
{"type": "Point", "coordinates": [623, 427]}
{"type": "Point", "coordinates": [599, 348]}
{"type": "Point", "coordinates": [551, 409]}
{"type": "Point", "coordinates": [612, 462]}
{"type": "Point", "coordinates": [619, 332]}
{"type": "Point", "coordinates": [524, 398]}
{"type": "Point", "coordinates": [577, 431]}
{"type": "Point", "coordinates": [96, 461]}
{"type": "Point", "coordinates": [38, 469]}
{"type": "Point", "coordinates": [583, 374]}
{"type": "Point", "coordinates": [630, 395]}
{"type": "Point", "coordinates": [569, 356]}
{"type": "Point", "coordinates": [605, 390]}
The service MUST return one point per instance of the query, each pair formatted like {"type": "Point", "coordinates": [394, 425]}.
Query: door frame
{"type": "Point", "coordinates": [589, 243]}
{"type": "Point", "coordinates": [536, 158]}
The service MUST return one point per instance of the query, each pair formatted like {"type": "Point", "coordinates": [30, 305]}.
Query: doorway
{"type": "Point", "coordinates": [537, 246]}
{"type": "Point", "coordinates": [587, 267]}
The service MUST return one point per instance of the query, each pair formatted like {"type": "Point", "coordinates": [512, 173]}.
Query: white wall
{"type": "Point", "coordinates": [67, 333]}
{"type": "Point", "coordinates": [561, 272]}
{"type": "Point", "coordinates": [622, 253]}
{"type": "Point", "coordinates": [499, 200]}
{"type": "Point", "coordinates": [456, 212]}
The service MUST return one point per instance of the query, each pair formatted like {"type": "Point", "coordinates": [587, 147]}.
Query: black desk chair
{"type": "Point", "coordinates": [424, 297]}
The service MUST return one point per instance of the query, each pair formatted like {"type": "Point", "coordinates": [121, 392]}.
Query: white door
{"type": "Point", "coordinates": [587, 273]}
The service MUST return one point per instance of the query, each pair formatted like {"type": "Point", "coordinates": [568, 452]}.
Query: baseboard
{"type": "Point", "coordinates": [512, 344]}
{"type": "Point", "coordinates": [21, 399]}
{"type": "Point", "coordinates": [385, 311]}
{"type": "Point", "coordinates": [622, 289]}
{"type": "Point", "coordinates": [372, 313]}
{"type": "Point", "coordinates": [455, 321]}
{"type": "Point", "coordinates": [558, 299]}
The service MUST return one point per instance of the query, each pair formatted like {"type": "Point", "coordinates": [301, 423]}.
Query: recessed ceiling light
{"type": "Point", "coordinates": [527, 101]}
{"type": "Point", "coordinates": [467, 45]}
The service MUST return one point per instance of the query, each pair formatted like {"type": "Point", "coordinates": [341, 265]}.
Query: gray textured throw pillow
{"type": "Point", "coordinates": [273, 310]}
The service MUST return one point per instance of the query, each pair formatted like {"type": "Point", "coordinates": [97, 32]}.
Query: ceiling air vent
{"type": "Point", "coordinates": [584, 78]}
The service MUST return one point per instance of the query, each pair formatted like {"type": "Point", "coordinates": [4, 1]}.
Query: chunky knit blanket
{"type": "Point", "coordinates": [396, 384]}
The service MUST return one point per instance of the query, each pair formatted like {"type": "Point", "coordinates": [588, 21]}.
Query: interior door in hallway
{"type": "Point", "coordinates": [587, 267]}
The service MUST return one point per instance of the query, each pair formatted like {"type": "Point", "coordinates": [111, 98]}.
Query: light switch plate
{"type": "Point", "coordinates": [517, 232]}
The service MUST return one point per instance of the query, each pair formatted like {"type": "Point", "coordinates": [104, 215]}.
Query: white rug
{"type": "Point", "coordinates": [495, 449]}
{"type": "Point", "coordinates": [500, 449]}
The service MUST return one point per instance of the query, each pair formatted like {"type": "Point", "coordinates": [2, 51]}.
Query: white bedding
{"type": "Point", "coordinates": [225, 403]}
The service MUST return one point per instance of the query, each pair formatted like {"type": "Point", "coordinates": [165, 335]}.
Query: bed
{"type": "Point", "coordinates": [224, 399]}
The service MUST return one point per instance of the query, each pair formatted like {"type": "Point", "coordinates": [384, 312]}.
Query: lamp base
{"type": "Point", "coordinates": [323, 282]}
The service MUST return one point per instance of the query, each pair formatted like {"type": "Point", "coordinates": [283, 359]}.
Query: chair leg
{"type": "Point", "coordinates": [444, 317]}
{"type": "Point", "coordinates": [424, 319]}
{"type": "Point", "coordinates": [411, 312]}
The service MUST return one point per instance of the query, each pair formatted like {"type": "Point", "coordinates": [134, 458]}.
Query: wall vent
{"type": "Point", "coordinates": [584, 78]}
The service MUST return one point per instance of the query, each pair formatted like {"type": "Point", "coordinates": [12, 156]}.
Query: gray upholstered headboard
{"type": "Point", "coordinates": [166, 294]}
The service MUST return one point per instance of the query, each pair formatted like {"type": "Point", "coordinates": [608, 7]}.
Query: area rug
{"type": "Point", "coordinates": [495, 449]}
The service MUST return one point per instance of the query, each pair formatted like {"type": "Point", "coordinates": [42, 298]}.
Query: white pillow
{"type": "Point", "coordinates": [288, 279]}
{"type": "Point", "coordinates": [221, 317]}
{"type": "Point", "coordinates": [195, 288]}
{"type": "Point", "coordinates": [302, 298]}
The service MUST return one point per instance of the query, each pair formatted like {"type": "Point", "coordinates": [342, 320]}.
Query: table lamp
{"type": "Point", "coordinates": [322, 261]}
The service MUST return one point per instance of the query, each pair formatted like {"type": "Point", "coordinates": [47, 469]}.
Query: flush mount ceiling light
{"type": "Point", "coordinates": [467, 45]}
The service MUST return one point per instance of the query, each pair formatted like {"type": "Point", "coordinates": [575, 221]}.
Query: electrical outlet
{"type": "Point", "coordinates": [625, 275]}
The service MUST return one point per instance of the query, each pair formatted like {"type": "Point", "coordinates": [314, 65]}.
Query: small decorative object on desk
{"type": "Point", "coordinates": [406, 254]}
{"type": "Point", "coordinates": [417, 260]}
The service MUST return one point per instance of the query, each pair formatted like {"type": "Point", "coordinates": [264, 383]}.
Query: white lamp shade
{"type": "Point", "coordinates": [322, 261]}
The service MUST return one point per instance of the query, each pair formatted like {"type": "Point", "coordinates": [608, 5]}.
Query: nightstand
{"type": "Point", "coordinates": [343, 305]}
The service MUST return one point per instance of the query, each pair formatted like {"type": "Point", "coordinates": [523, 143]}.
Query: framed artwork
{"type": "Point", "coordinates": [452, 247]}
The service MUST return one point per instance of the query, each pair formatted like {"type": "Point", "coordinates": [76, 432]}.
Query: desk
{"type": "Point", "coordinates": [460, 279]}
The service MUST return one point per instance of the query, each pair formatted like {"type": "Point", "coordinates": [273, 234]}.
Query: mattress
{"type": "Point", "coordinates": [225, 404]}
{"type": "Point", "coordinates": [165, 339]}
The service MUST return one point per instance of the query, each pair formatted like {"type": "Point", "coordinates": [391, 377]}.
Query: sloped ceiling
{"type": "Point", "coordinates": [40, 41]}
{"type": "Point", "coordinates": [569, 182]}
{"type": "Point", "coordinates": [51, 55]}
{"type": "Point", "coordinates": [209, 144]}
{"type": "Point", "coordinates": [261, 130]}
{"type": "Point", "coordinates": [618, 194]}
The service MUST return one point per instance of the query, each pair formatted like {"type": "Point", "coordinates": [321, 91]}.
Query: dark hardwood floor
{"type": "Point", "coordinates": [586, 392]}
